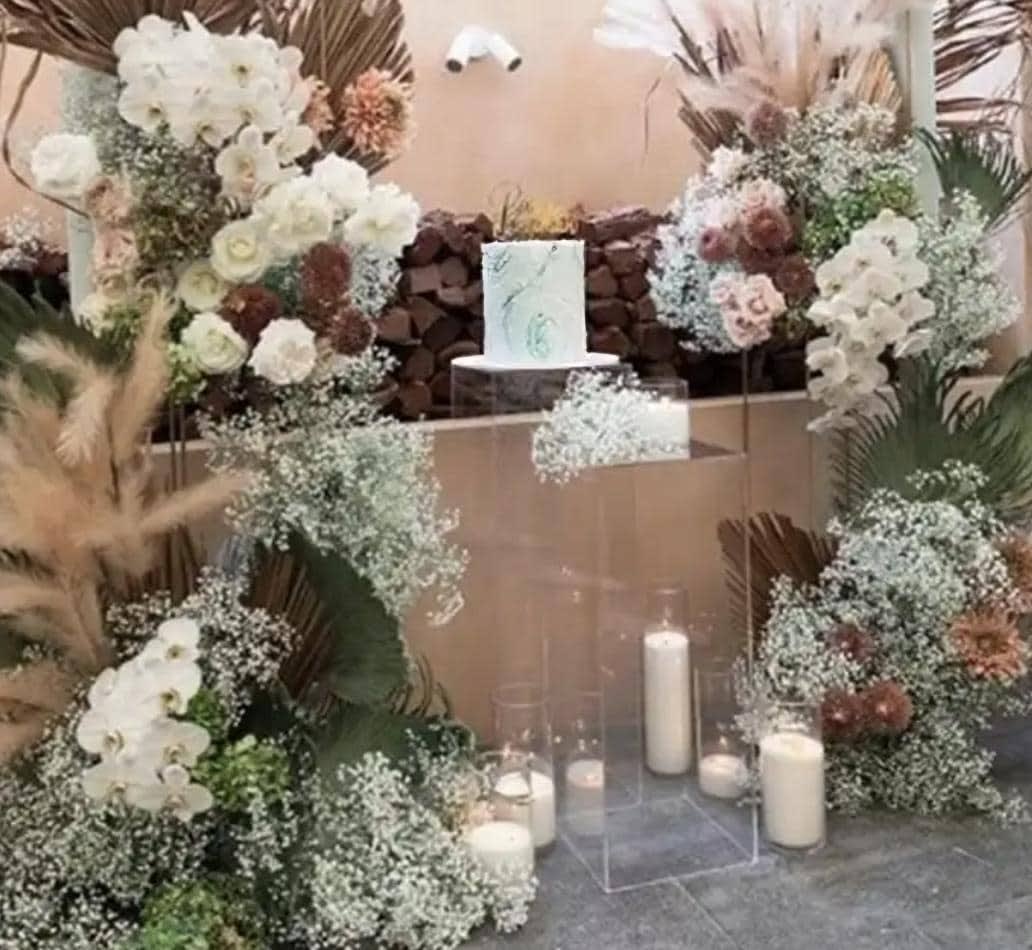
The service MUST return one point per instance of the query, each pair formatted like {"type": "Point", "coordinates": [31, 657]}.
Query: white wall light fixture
{"type": "Point", "coordinates": [476, 42]}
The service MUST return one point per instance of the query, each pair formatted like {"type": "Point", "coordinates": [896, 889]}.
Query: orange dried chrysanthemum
{"type": "Point", "coordinates": [377, 113]}
{"type": "Point", "coordinates": [989, 642]}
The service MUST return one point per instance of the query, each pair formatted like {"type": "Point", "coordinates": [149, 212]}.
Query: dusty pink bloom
{"type": "Point", "coordinates": [109, 201]}
{"type": "Point", "coordinates": [767, 229]}
{"type": "Point", "coordinates": [761, 193]}
{"type": "Point", "coordinates": [377, 113]}
{"type": "Point", "coordinates": [748, 305]}
{"type": "Point", "coordinates": [114, 254]}
{"type": "Point", "coordinates": [716, 245]}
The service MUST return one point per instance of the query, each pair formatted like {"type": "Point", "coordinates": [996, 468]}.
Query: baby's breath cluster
{"type": "Point", "coordinates": [878, 643]}
{"type": "Point", "coordinates": [600, 420]}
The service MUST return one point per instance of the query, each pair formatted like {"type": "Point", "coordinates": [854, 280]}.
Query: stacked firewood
{"type": "Point", "coordinates": [439, 315]}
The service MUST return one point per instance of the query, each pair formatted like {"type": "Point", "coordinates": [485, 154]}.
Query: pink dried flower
{"type": "Point", "coordinates": [115, 254]}
{"type": "Point", "coordinates": [761, 193]}
{"type": "Point", "coordinates": [854, 642]}
{"type": "Point", "coordinates": [109, 201]}
{"type": "Point", "coordinates": [842, 715]}
{"type": "Point", "coordinates": [795, 278]}
{"type": "Point", "coordinates": [377, 113]}
{"type": "Point", "coordinates": [888, 708]}
{"type": "Point", "coordinates": [989, 643]}
{"type": "Point", "coordinates": [716, 245]}
{"type": "Point", "coordinates": [767, 228]}
{"type": "Point", "coordinates": [318, 114]}
{"type": "Point", "coordinates": [748, 305]}
{"type": "Point", "coordinates": [766, 123]}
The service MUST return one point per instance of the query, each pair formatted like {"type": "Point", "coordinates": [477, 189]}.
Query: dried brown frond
{"type": "Point", "coordinates": [42, 686]}
{"type": "Point", "coordinates": [18, 734]}
{"type": "Point", "coordinates": [83, 31]}
{"type": "Point", "coordinates": [777, 547]}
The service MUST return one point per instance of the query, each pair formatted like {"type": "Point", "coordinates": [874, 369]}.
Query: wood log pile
{"type": "Point", "coordinates": [439, 315]}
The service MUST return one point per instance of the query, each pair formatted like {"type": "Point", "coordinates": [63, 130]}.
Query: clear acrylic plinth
{"type": "Point", "coordinates": [579, 561]}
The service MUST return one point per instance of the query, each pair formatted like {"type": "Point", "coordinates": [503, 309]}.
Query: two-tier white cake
{"type": "Point", "coordinates": [534, 304]}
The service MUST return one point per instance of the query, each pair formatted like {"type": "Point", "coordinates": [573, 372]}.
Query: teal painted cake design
{"type": "Point", "coordinates": [534, 307]}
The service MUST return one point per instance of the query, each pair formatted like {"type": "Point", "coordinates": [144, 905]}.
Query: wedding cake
{"type": "Point", "coordinates": [534, 304]}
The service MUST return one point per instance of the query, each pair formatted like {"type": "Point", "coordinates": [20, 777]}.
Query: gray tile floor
{"type": "Point", "coordinates": [883, 882]}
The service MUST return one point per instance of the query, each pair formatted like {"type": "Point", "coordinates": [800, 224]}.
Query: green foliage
{"type": "Point", "coordinates": [237, 772]}
{"type": "Point", "coordinates": [207, 710]}
{"type": "Point", "coordinates": [201, 915]}
{"type": "Point", "coordinates": [927, 423]}
{"type": "Point", "coordinates": [830, 226]}
{"type": "Point", "coordinates": [367, 661]}
{"type": "Point", "coordinates": [982, 164]}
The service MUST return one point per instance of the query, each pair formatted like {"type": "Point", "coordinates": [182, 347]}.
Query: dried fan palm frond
{"type": "Point", "coordinates": [340, 40]}
{"type": "Point", "coordinates": [970, 34]}
{"type": "Point", "coordinates": [81, 516]}
{"type": "Point", "coordinates": [83, 31]}
{"type": "Point", "coordinates": [778, 548]}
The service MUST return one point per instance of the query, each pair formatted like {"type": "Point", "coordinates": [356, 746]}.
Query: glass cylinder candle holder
{"type": "Point", "coordinates": [722, 755]}
{"type": "Point", "coordinates": [792, 777]}
{"type": "Point", "coordinates": [584, 803]}
{"type": "Point", "coordinates": [524, 786]}
{"type": "Point", "coordinates": [667, 417]}
{"type": "Point", "coordinates": [666, 689]}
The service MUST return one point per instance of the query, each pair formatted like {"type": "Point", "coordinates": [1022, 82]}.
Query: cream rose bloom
{"type": "Point", "coordinates": [298, 214]}
{"type": "Point", "coordinates": [286, 353]}
{"type": "Point", "coordinates": [347, 183]}
{"type": "Point", "coordinates": [217, 348]}
{"type": "Point", "coordinates": [65, 165]}
{"type": "Point", "coordinates": [240, 252]}
{"type": "Point", "coordinates": [388, 220]}
{"type": "Point", "coordinates": [200, 288]}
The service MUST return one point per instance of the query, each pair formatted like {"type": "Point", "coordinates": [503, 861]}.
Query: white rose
{"type": "Point", "coordinates": [64, 165]}
{"type": "Point", "coordinates": [286, 353]}
{"type": "Point", "coordinates": [347, 183]}
{"type": "Point", "coordinates": [388, 220]}
{"type": "Point", "coordinates": [298, 215]}
{"type": "Point", "coordinates": [214, 344]}
{"type": "Point", "coordinates": [240, 252]}
{"type": "Point", "coordinates": [200, 287]}
{"type": "Point", "coordinates": [94, 311]}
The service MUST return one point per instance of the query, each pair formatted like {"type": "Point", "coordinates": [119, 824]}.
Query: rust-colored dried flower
{"type": "Point", "coordinates": [756, 261]}
{"type": "Point", "coordinates": [716, 245]}
{"type": "Point", "coordinates": [250, 309]}
{"type": "Point", "coordinates": [887, 708]}
{"type": "Point", "coordinates": [857, 644]}
{"type": "Point", "coordinates": [842, 716]}
{"type": "Point", "coordinates": [795, 278]}
{"type": "Point", "coordinates": [989, 642]}
{"type": "Point", "coordinates": [767, 228]}
{"type": "Point", "coordinates": [377, 113]}
{"type": "Point", "coordinates": [766, 123]}
{"type": "Point", "coordinates": [325, 281]}
{"type": "Point", "coordinates": [350, 333]}
{"type": "Point", "coordinates": [1016, 551]}
{"type": "Point", "coordinates": [318, 114]}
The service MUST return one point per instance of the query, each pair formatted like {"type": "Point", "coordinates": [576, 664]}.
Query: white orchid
{"type": "Point", "coordinates": [171, 685]}
{"type": "Point", "coordinates": [111, 730]}
{"type": "Point", "coordinates": [175, 793]}
{"type": "Point", "coordinates": [247, 166]}
{"type": "Point", "coordinates": [143, 105]}
{"type": "Point", "coordinates": [178, 743]}
{"type": "Point", "coordinates": [180, 638]}
{"type": "Point", "coordinates": [293, 142]}
{"type": "Point", "coordinates": [109, 781]}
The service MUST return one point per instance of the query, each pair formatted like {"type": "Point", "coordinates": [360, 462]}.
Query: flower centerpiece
{"type": "Point", "coordinates": [221, 168]}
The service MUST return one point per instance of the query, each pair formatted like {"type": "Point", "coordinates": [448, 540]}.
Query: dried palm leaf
{"type": "Point", "coordinates": [84, 31]}
{"type": "Point", "coordinates": [778, 548]}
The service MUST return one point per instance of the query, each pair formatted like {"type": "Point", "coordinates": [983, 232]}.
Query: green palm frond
{"type": "Point", "coordinates": [928, 422]}
{"type": "Point", "coordinates": [984, 165]}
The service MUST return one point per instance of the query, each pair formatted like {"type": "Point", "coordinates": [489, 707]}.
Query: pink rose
{"type": "Point", "coordinates": [761, 193]}
{"type": "Point", "coordinates": [748, 306]}
{"type": "Point", "coordinates": [716, 245]}
{"type": "Point", "coordinates": [761, 298]}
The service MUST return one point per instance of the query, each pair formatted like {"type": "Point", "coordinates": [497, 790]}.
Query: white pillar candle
{"type": "Point", "coordinates": [586, 796]}
{"type": "Point", "coordinates": [533, 806]}
{"type": "Point", "coordinates": [668, 421]}
{"type": "Point", "coordinates": [722, 775]}
{"type": "Point", "coordinates": [80, 256]}
{"type": "Point", "coordinates": [668, 707]}
{"type": "Point", "coordinates": [505, 848]}
{"type": "Point", "coordinates": [792, 789]}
